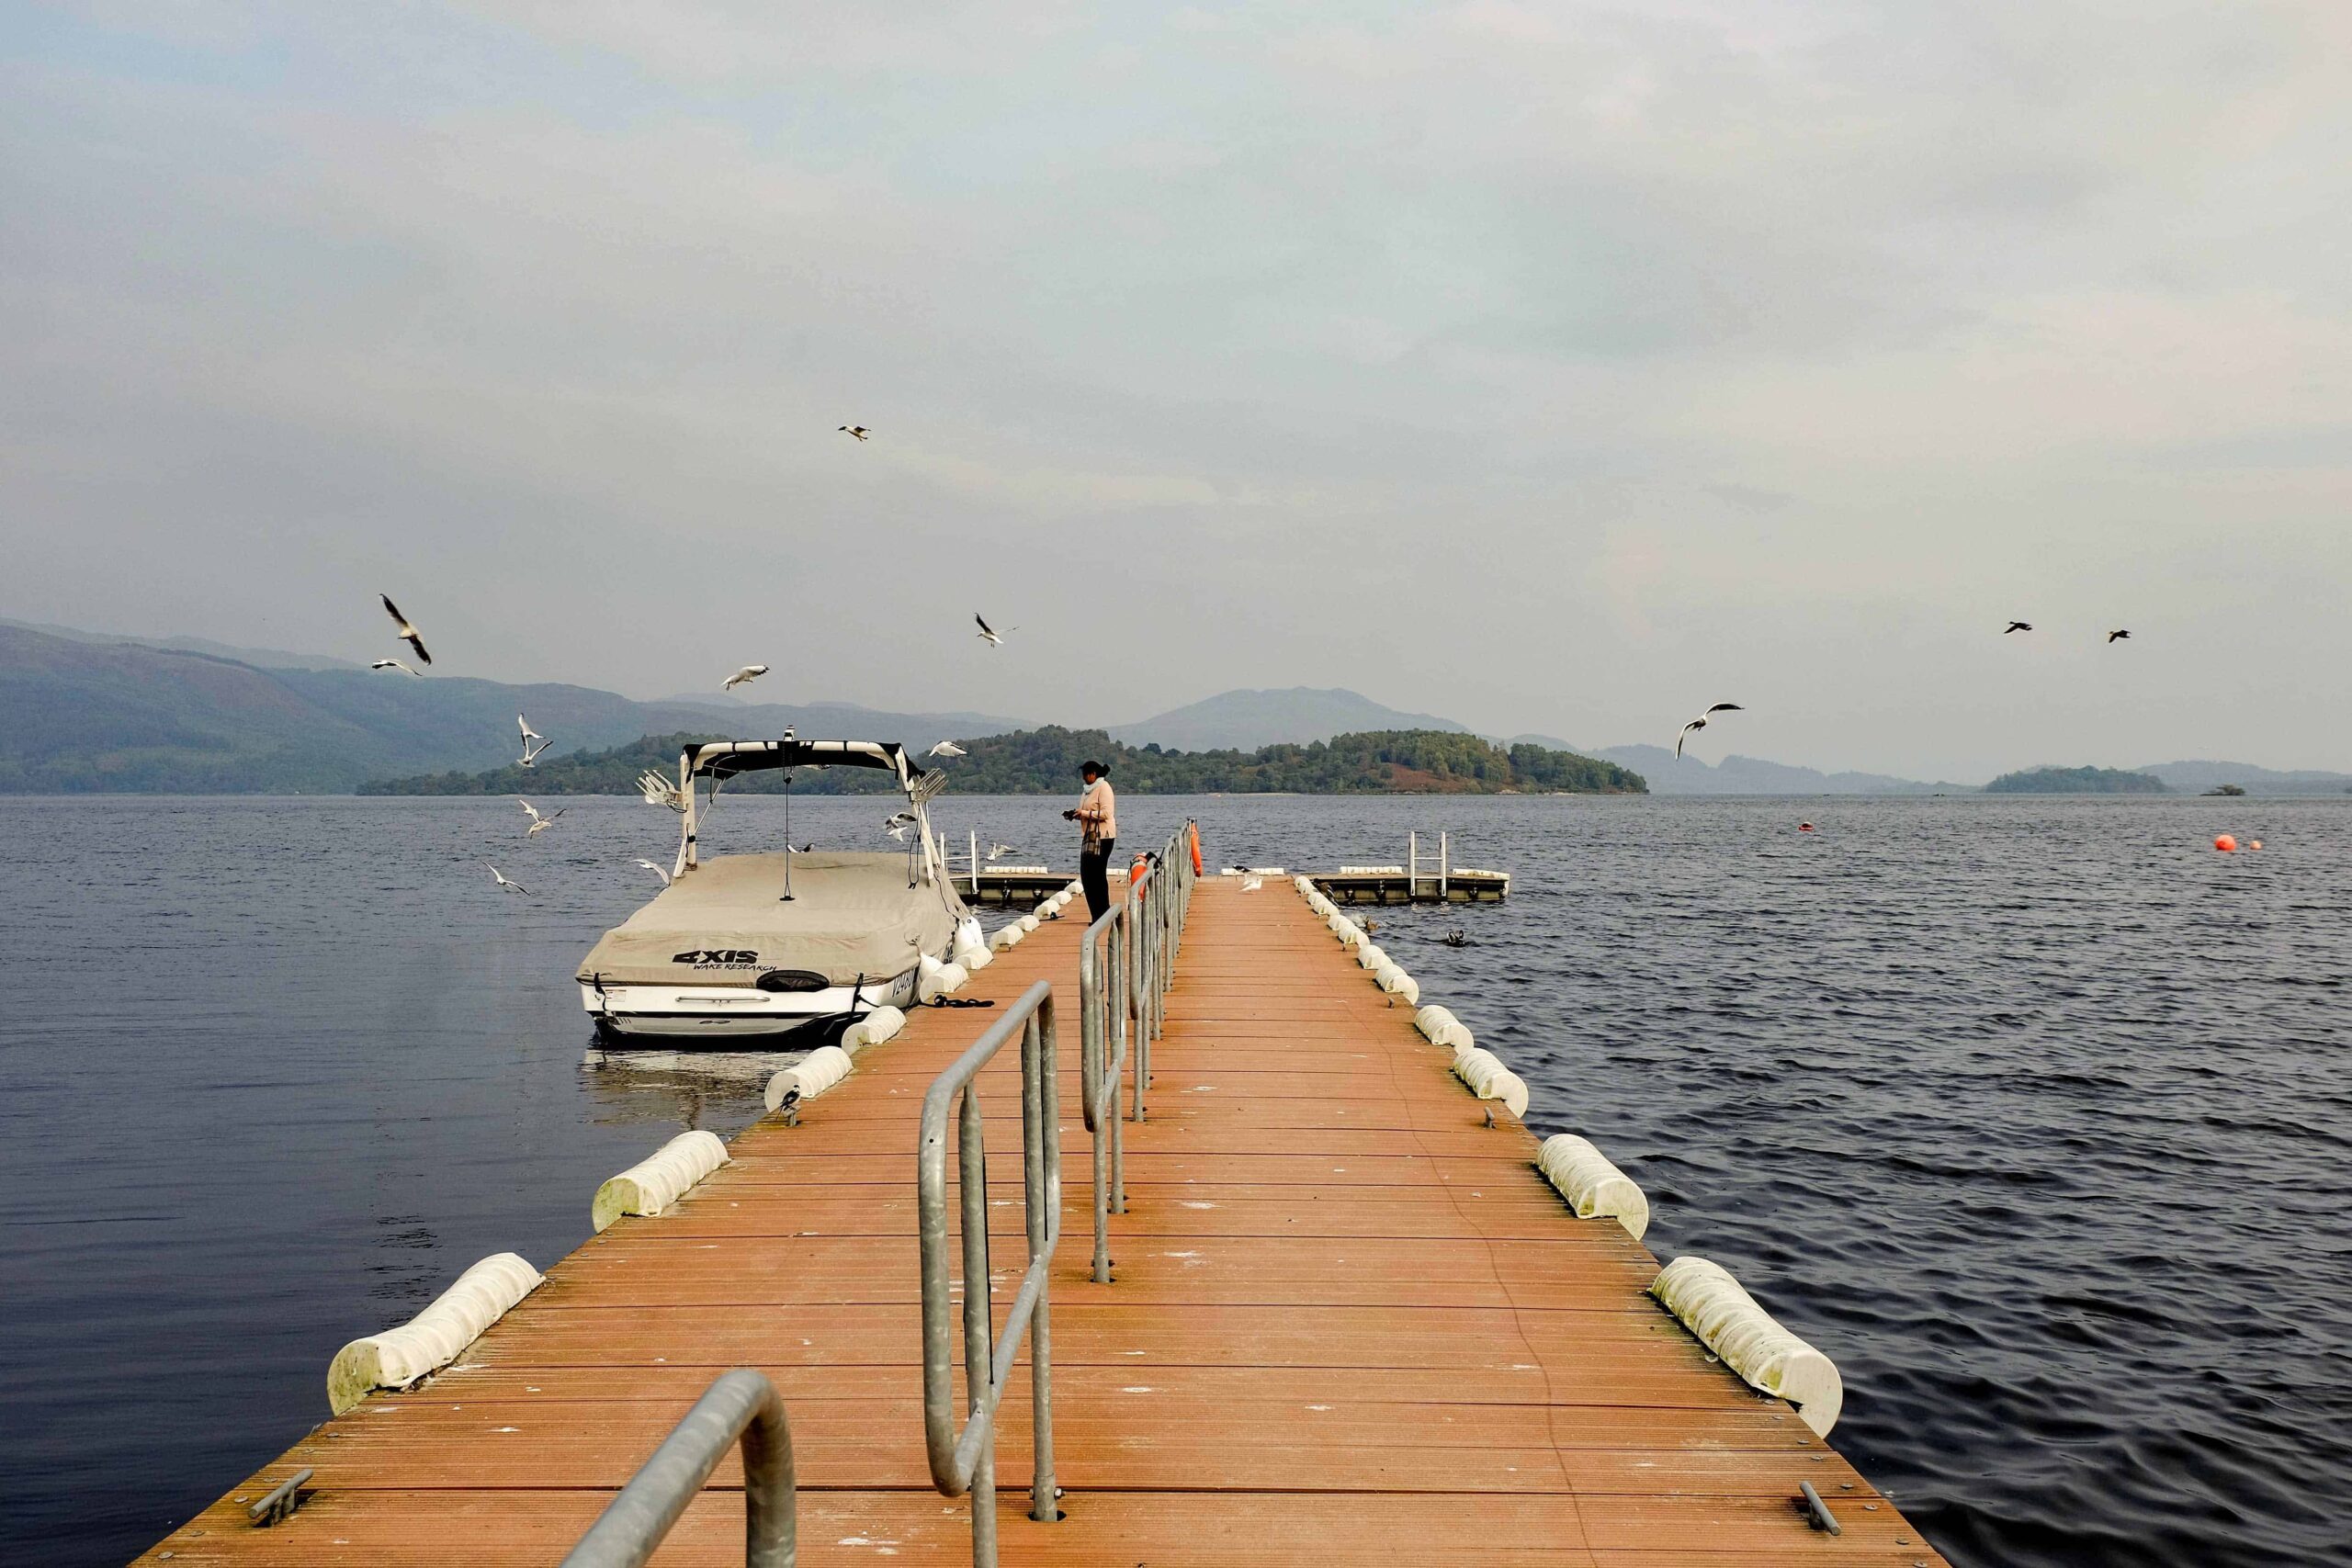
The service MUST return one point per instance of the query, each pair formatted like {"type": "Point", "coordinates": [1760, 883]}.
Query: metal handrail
{"type": "Point", "coordinates": [1136, 940]}
{"type": "Point", "coordinates": [966, 1461]}
{"type": "Point", "coordinates": [742, 1406]}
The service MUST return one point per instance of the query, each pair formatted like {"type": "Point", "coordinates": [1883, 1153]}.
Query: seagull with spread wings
{"type": "Point", "coordinates": [394, 665]}
{"type": "Point", "coordinates": [538, 824]}
{"type": "Point", "coordinates": [857, 430]}
{"type": "Point", "coordinates": [531, 754]}
{"type": "Point", "coordinates": [749, 672]}
{"type": "Point", "coordinates": [404, 629]}
{"type": "Point", "coordinates": [1701, 722]}
{"type": "Point", "coordinates": [505, 885]}
{"type": "Point", "coordinates": [947, 749]}
{"type": "Point", "coordinates": [990, 636]}
{"type": "Point", "coordinates": [660, 871]}
{"type": "Point", "coordinates": [2119, 637]}
{"type": "Point", "coordinates": [2016, 627]}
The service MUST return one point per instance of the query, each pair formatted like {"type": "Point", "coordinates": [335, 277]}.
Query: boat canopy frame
{"type": "Point", "coordinates": [720, 761]}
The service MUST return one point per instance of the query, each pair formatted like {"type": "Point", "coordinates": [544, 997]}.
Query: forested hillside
{"type": "Point", "coordinates": [1045, 761]}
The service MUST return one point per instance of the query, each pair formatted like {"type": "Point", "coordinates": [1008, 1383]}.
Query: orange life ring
{"type": "Point", "coordinates": [1134, 871]}
{"type": "Point", "coordinates": [1195, 832]}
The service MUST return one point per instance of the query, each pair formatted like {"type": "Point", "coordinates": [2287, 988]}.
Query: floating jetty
{"type": "Point", "coordinates": [1414, 880]}
{"type": "Point", "coordinates": [1344, 1309]}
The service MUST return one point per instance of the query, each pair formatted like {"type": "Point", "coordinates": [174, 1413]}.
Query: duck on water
{"type": "Point", "coordinates": [743, 946]}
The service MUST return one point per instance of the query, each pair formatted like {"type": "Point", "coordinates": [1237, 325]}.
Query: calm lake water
{"type": "Point", "coordinates": [2031, 1114]}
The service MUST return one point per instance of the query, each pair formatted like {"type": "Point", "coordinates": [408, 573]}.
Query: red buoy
{"type": "Point", "coordinates": [1805, 827]}
{"type": "Point", "coordinates": [2226, 844]}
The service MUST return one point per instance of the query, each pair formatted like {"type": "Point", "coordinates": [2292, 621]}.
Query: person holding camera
{"type": "Point", "coordinates": [1097, 817]}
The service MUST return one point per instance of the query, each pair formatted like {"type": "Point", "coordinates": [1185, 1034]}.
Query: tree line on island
{"type": "Point", "coordinates": [1045, 762]}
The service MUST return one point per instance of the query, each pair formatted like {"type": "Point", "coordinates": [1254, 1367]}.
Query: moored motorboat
{"type": "Point", "coordinates": [749, 945]}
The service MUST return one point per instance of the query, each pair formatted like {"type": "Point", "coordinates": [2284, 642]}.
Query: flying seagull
{"type": "Point", "coordinates": [659, 791]}
{"type": "Point", "coordinates": [998, 851]}
{"type": "Point", "coordinates": [538, 824]}
{"type": "Point", "coordinates": [406, 632]}
{"type": "Point", "coordinates": [990, 636]}
{"type": "Point", "coordinates": [857, 430]}
{"type": "Point", "coordinates": [749, 672]}
{"type": "Point", "coordinates": [1701, 722]}
{"type": "Point", "coordinates": [2016, 627]}
{"type": "Point", "coordinates": [947, 749]}
{"type": "Point", "coordinates": [531, 754]}
{"type": "Point", "coordinates": [2119, 637]}
{"type": "Point", "coordinates": [393, 664]}
{"type": "Point", "coordinates": [502, 883]}
{"type": "Point", "coordinates": [661, 872]}
{"type": "Point", "coordinates": [897, 830]}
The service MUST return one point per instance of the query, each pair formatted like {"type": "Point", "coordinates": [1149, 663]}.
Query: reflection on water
{"type": "Point", "coordinates": [718, 1090]}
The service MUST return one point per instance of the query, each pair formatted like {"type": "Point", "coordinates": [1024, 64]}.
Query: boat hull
{"type": "Point", "coordinates": [726, 1014]}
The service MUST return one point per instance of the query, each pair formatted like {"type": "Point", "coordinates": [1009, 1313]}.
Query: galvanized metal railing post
{"type": "Point", "coordinates": [742, 1406]}
{"type": "Point", "coordinates": [965, 1461]}
{"type": "Point", "coordinates": [972, 1187]}
{"type": "Point", "coordinates": [1041, 1182]}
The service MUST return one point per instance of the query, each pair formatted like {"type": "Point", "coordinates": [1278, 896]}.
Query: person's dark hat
{"type": "Point", "coordinates": [1095, 768]}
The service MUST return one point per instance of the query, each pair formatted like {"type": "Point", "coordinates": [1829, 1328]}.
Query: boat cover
{"type": "Point", "coordinates": [723, 922]}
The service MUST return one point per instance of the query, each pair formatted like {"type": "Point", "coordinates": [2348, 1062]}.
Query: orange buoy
{"type": "Point", "coordinates": [2254, 844]}
{"type": "Point", "coordinates": [2226, 844]}
{"type": "Point", "coordinates": [1134, 871]}
{"type": "Point", "coordinates": [1195, 830]}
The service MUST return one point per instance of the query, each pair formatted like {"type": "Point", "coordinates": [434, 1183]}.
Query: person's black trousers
{"type": "Point", "coordinates": [1094, 875]}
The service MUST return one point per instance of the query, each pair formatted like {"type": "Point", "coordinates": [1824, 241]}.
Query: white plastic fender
{"type": "Point", "coordinates": [1369, 956]}
{"type": "Point", "coordinates": [1350, 933]}
{"type": "Point", "coordinates": [813, 1074]}
{"type": "Point", "coordinates": [1507, 1087]}
{"type": "Point", "coordinates": [928, 974]}
{"type": "Point", "coordinates": [653, 1184]}
{"type": "Point", "coordinates": [1397, 983]}
{"type": "Point", "coordinates": [1727, 1321]}
{"type": "Point", "coordinates": [1302, 885]}
{"type": "Point", "coordinates": [1027, 923]}
{"type": "Point", "coordinates": [1594, 1187]}
{"type": "Point", "coordinates": [953, 977]}
{"type": "Point", "coordinates": [1440, 1025]}
{"type": "Point", "coordinates": [434, 1337]}
{"type": "Point", "coordinates": [1475, 1066]}
{"type": "Point", "coordinates": [873, 1029]}
{"type": "Point", "coordinates": [1010, 936]}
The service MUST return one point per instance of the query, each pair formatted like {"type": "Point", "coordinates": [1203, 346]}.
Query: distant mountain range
{"type": "Point", "coordinates": [89, 711]}
{"type": "Point", "coordinates": [84, 714]}
{"type": "Point", "coordinates": [1243, 720]}
{"type": "Point", "coordinates": [1744, 775]}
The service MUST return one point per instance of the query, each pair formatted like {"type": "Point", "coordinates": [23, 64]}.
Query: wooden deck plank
{"type": "Point", "coordinates": [1349, 1322]}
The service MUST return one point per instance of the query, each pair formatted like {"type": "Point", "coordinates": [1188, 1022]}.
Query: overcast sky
{"type": "Point", "coordinates": [1560, 367]}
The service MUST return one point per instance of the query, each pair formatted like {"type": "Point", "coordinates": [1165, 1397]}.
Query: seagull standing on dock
{"type": "Point", "coordinates": [1701, 722]}
{"type": "Point", "coordinates": [506, 886]}
{"type": "Point", "coordinates": [990, 636]}
{"type": "Point", "coordinates": [2016, 627]}
{"type": "Point", "coordinates": [947, 749]}
{"type": "Point", "coordinates": [857, 430]}
{"type": "Point", "coordinates": [404, 630]}
{"type": "Point", "coordinates": [530, 758]}
{"type": "Point", "coordinates": [660, 871]}
{"type": "Point", "coordinates": [538, 824]}
{"type": "Point", "coordinates": [749, 672]}
{"type": "Point", "coordinates": [395, 664]}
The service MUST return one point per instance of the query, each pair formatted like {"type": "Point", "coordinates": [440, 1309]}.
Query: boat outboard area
{"type": "Point", "coordinates": [783, 942]}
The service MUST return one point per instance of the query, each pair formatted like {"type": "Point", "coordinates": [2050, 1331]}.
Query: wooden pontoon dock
{"type": "Point", "coordinates": [1350, 1322]}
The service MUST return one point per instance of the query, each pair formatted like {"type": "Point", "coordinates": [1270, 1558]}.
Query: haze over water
{"type": "Point", "coordinates": [2029, 1112]}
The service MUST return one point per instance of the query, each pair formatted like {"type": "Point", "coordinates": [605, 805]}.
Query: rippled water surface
{"type": "Point", "coordinates": [2032, 1114]}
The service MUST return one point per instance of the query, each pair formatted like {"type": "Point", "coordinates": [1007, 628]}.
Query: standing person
{"type": "Point", "coordinates": [1097, 817]}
